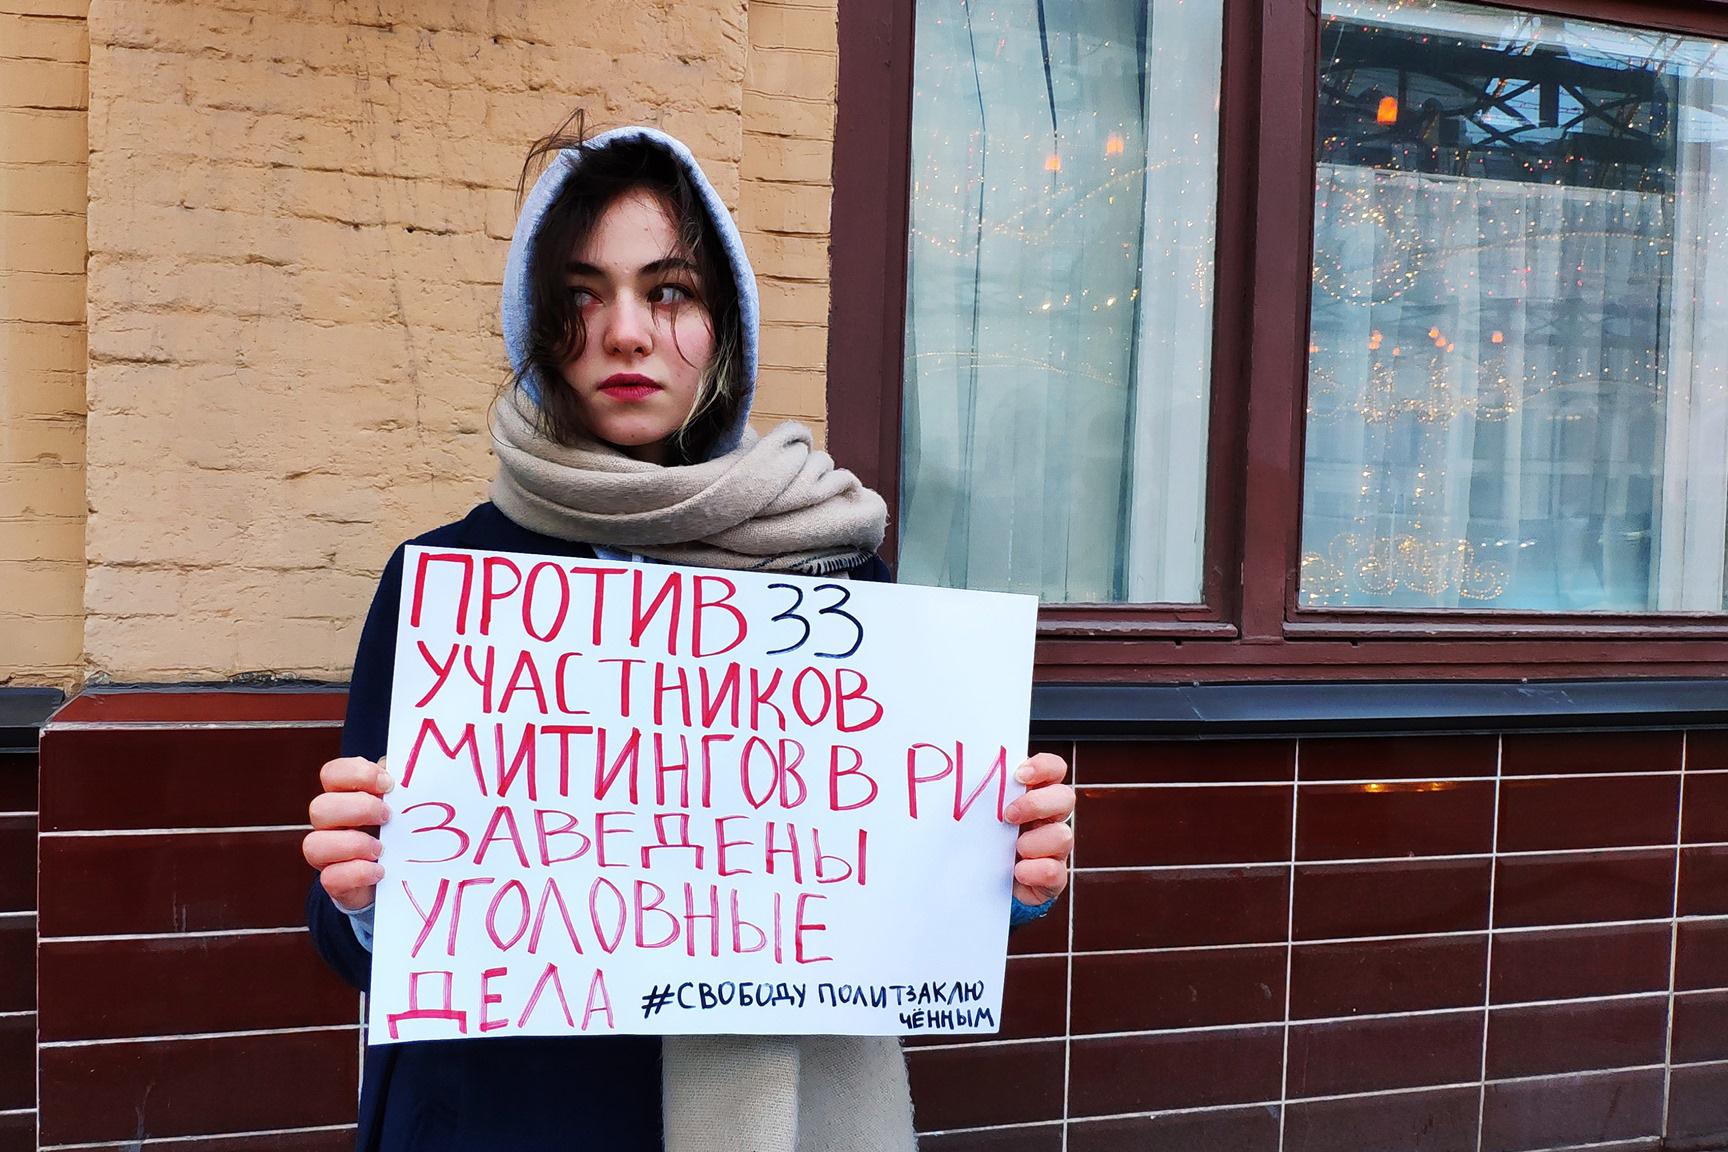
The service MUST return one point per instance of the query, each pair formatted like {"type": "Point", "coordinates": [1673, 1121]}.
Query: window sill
{"type": "Point", "coordinates": [1119, 711]}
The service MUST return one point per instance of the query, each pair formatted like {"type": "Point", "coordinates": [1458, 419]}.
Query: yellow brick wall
{"type": "Point", "coordinates": [790, 85]}
{"type": "Point", "coordinates": [43, 49]}
{"type": "Point", "coordinates": [298, 220]}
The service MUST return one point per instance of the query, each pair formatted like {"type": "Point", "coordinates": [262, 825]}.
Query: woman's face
{"type": "Point", "coordinates": [649, 336]}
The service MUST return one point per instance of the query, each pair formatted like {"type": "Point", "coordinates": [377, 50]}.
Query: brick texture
{"type": "Point", "coordinates": [789, 92]}
{"type": "Point", "coordinates": [42, 340]}
{"type": "Point", "coordinates": [298, 215]}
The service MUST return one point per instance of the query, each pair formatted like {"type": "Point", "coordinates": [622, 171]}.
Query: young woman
{"type": "Point", "coordinates": [630, 318]}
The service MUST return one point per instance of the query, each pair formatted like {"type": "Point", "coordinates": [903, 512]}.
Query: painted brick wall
{"type": "Point", "coordinates": [790, 86]}
{"type": "Point", "coordinates": [298, 219]}
{"type": "Point", "coordinates": [42, 196]}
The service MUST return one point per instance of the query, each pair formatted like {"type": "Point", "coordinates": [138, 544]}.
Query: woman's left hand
{"type": "Point", "coordinates": [1046, 837]}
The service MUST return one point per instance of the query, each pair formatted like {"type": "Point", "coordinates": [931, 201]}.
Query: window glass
{"type": "Point", "coordinates": [1518, 360]}
{"type": "Point", "coordinates": [1058, 319]}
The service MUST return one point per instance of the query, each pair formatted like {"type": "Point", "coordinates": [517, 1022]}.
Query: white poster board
{"type": "Point", "coordinates": [637, 798]}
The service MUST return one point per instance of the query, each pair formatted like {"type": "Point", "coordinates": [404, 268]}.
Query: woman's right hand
{"type": "Point", "coordinates": [341, 844]}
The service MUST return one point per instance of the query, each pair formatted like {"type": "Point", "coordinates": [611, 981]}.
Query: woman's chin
{"type": "Point", "coordinates": [645, 445]}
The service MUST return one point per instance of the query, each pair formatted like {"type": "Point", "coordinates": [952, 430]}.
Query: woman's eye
{"type": "Point", "coordinates": [581, 297]}
{"type": "Point", "coordinates": [671, 294]}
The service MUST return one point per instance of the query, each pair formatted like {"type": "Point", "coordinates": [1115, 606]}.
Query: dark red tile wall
{"type": "Point", "coordinates": [1472, 943]}
{"type": "Point", "coordinates": [17, 951]}
{"type": "Point", "coordinates": [180, 1000]}
{"type": "Point", "coordinates": [1404, 944]}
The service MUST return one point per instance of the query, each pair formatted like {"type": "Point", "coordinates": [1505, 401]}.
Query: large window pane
{"type": "Point", "coordinates": [1058, 327]}
{"type": "Point", "coordinates": [1518, 369]}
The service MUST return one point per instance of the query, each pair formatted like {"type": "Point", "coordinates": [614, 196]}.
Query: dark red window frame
{"type": "Point", "coordinates": [1249, 626]}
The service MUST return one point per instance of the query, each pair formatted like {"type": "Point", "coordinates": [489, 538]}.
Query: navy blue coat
{"type": "Point", "coordinates": [568, 1094]}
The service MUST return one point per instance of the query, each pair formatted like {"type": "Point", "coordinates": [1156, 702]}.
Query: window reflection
{"type": "Point", "coordinates": [1518, 365]}
{"type": "Point", "coordinates": [1058, 318]}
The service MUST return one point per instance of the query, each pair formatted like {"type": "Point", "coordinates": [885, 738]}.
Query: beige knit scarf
{"type": "Point", "coordinates": [772, 504]}
{"type": "Point", "coordinates": [775, 503]}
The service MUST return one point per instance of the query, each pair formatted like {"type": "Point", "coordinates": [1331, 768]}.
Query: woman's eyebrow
{"type": "Point", "coordinates": [668, 264]}
{"type": "Point", "coordinates": [653, 268]}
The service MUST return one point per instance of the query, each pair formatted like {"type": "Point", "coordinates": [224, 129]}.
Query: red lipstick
{"type": "Point", "coordinates": [628, 386]}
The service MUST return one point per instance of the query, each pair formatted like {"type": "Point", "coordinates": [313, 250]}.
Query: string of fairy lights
{"type": "Point", "coordinates": [1431, 234]}
{"type": "Point", "coordinates": [1424, 378]}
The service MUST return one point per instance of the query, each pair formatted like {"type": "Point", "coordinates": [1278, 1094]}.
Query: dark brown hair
{"type": "Point", "coordinates": [555, 328]}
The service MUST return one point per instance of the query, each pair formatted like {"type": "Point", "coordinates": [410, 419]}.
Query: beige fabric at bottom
{"type": "Point", "coordinates": [786, 1094]}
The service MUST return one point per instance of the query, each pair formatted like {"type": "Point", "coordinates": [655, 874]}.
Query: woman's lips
{"type": "Point", "coordinates": [624, 387]}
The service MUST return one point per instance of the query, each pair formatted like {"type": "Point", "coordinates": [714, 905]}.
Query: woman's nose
{"type": "Point", "coordinates": [629, 328]}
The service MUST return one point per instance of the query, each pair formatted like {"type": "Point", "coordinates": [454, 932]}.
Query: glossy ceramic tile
{"type": "Point", "coordinates": [1189, 989]}
{"type": "Point", "coordinates": [1175, 825]}
{"type": "Point", "coordinates": [1698, 1105]}
{"type": "Point", "coordinates": [1706, 809]}
{"type": "Point", "coordinates": [1443, 1120]}
{"type": "Point", "coordinates": [1396, 898]}
{"type": "Point", "coordinates": [1219, 1130]}
{"type": "Point", "coordinates": [17, 963]}
{"type": "Point", "coordinates": [159, 987]}
{"type": "Point", "coordinates": [1034, 997]}
{"type": "Point", "coordinates": [1180, 907]}
{"type": "Point", "coordinates": [972, 1086]}
{"type": "Point", "coordinates": [185, 882]}
{"type": "Point", "coordinates": [18, 1132]}
{"type": "Point", "coordinates": [181, 778]}
{"type": "Point", "coordinates": [1533, 753]}
{"type": "Point", "coordinates": [1393, 819]}
{"type": "Point", "coordinates": [1185, 761]}
{"type": "Point", "coordinates": [1701, 954]}
{"type": "Point", "coordinates": [1397, 757]}
{"type": "Point", "coordinates": [1041, 1138]}
{"type": "Point", "coordinates": [1700, 1027]}
{"type": "Point", "coordinates": [17, 863]}
{"type": "Point", "coordinates": [1343, 1057]}
{"type": "Point", "coordinates": [1588, 812]}
{"type": "Point", "coordinates": [1582, 888]}
{"type": "Point", "coordinates": [1707, 749]}
{"type": "Point", "coordinates": [1373, 976]}
{"type": "Point", "coordinates": [17, 781]}
{"type": "Point", "coordinates": [1522, 1115]}
{"type": "Point", "coordinates": [1116, 1074]}
{"type": "Point", "coordinates": [1577, 1036]}
{"type": "Point", "coordinates": [1580, 962]}
{"type": "Point", "coordinates": [1704, 882]}
{"type": "Point", "coordinates": [120, 1091]}
{"type": "Point", "coordinates": [17, 1061]}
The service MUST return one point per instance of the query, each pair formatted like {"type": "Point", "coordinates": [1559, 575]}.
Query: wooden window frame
{"type": "Point", "coordinates": [1249, 625]}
